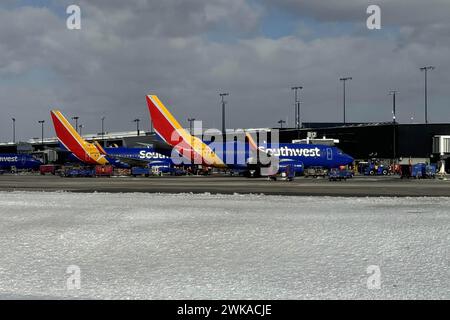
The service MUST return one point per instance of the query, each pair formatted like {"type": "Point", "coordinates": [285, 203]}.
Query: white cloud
{"type": "Point", "coordinates": [128, 49]}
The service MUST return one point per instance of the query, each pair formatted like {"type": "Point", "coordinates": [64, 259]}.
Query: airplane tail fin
{"type": "Point", "coordinates": [170, 130]}
{"type": "Point", "coordinates": [73, 142]}
{"type": "Point", "coordinates": [164, 124]}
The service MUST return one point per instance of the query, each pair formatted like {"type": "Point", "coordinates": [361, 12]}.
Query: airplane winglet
{"type": "Point", "coordinates": [251, 142]}
{"type": "Point", "coordinates": [100, 148]}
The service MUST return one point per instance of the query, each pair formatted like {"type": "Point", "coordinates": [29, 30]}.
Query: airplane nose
{"type": "Point", "coordinates": [350, 159]}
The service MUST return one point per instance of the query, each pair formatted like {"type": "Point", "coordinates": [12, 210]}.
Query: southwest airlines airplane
{"type": "Point", "coordinates": [95, 154]}
{"type": "Point", "coordinates": [299, 156]}
{"type": "Point", "coordinates": [188, 147]}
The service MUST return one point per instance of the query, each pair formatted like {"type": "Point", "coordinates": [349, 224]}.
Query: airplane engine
{"type": "Point", "coordinates": [257, 168]}
{"type": "Point", "coordinates": [295, 165]}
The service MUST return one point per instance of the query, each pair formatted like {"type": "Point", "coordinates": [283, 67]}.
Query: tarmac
{"type": "Point", "coordinates": [356, 187]}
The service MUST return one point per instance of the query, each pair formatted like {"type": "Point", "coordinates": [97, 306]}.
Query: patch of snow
{"type": "Point", "coordinates": [204, 246]}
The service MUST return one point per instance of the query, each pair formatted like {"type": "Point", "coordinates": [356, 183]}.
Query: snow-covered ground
{"type": "Point", "coordinates": [160, 246]}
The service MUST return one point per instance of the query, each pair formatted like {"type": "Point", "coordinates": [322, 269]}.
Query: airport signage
{"type": "Point", "coordinates": [292, 152]}
{"type": "Point", "coordinates": [9, 159]}
{"type": "Point", "coordinates": [151, 155]}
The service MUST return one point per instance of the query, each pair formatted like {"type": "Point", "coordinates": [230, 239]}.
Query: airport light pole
{"type": "Point", "coordinates": [297, 107]}
{"type": "Point", "coordinates": [137, 120]}
{"type": "Point", "coordinates": [42, 130]}
{"type": "Point", "coordinates": [223, 95]}
{"type": "Point", "coordinates": [76, 122]}
{"type": "Point", "coordinates": [103, 130]}
{"type": "Point", "coordinates": [14, 129]}
{"type": "Point", "coordinates": [191, 120]}
{"type": "Point", "coordinates": [394, 93]}
{"type": "Point", "coordinates": [344, 80]}
{"type": "Point", "coordinates": [426, 69]}
{"type": "Point", "coordinates": [281, 123]}
{"type": "Point", "coordinates": [81, 127]}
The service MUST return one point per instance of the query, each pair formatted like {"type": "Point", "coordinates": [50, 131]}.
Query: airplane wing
{"type": "Point", "coordinates": [132, 162]}
{"type": "Point", "coordinates": [147, 145]}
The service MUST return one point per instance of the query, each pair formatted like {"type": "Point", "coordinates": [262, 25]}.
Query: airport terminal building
{"type": "Point", "coordinates": [360, 140]}
{"type": "Point", "coordinates": [376, 140]}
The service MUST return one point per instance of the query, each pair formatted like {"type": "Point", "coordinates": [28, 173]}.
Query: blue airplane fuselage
{"type": "Point", "coordinates": [312, 155]}
{"type": "Point", "coordinates": [149, 155]}
{"type": "Point", "coordinates": [235, 155]}
{"type": "Point", "coordinates": [301, 156]}
{"type": "Point", "coordinates": [19, 161]}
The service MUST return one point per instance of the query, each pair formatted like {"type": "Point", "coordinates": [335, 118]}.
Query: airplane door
{"type": "Point", "coordinates": [329, 154]}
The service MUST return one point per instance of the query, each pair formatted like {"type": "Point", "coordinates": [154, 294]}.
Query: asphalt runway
{"type": "Point", "coordinates": [357, 187]}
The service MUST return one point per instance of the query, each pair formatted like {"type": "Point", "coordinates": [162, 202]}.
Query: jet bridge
{"type": "Point", "coordinates": [441, 146]}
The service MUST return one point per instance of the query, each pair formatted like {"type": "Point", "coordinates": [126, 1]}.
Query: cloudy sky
{"type": "Point", "coordinates": [188, 51]}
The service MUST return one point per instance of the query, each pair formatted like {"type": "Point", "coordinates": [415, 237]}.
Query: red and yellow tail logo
{"type": "Point", "coordinates": [69, 137]}
{"type": "Point", "coordinates": [170, 130]}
